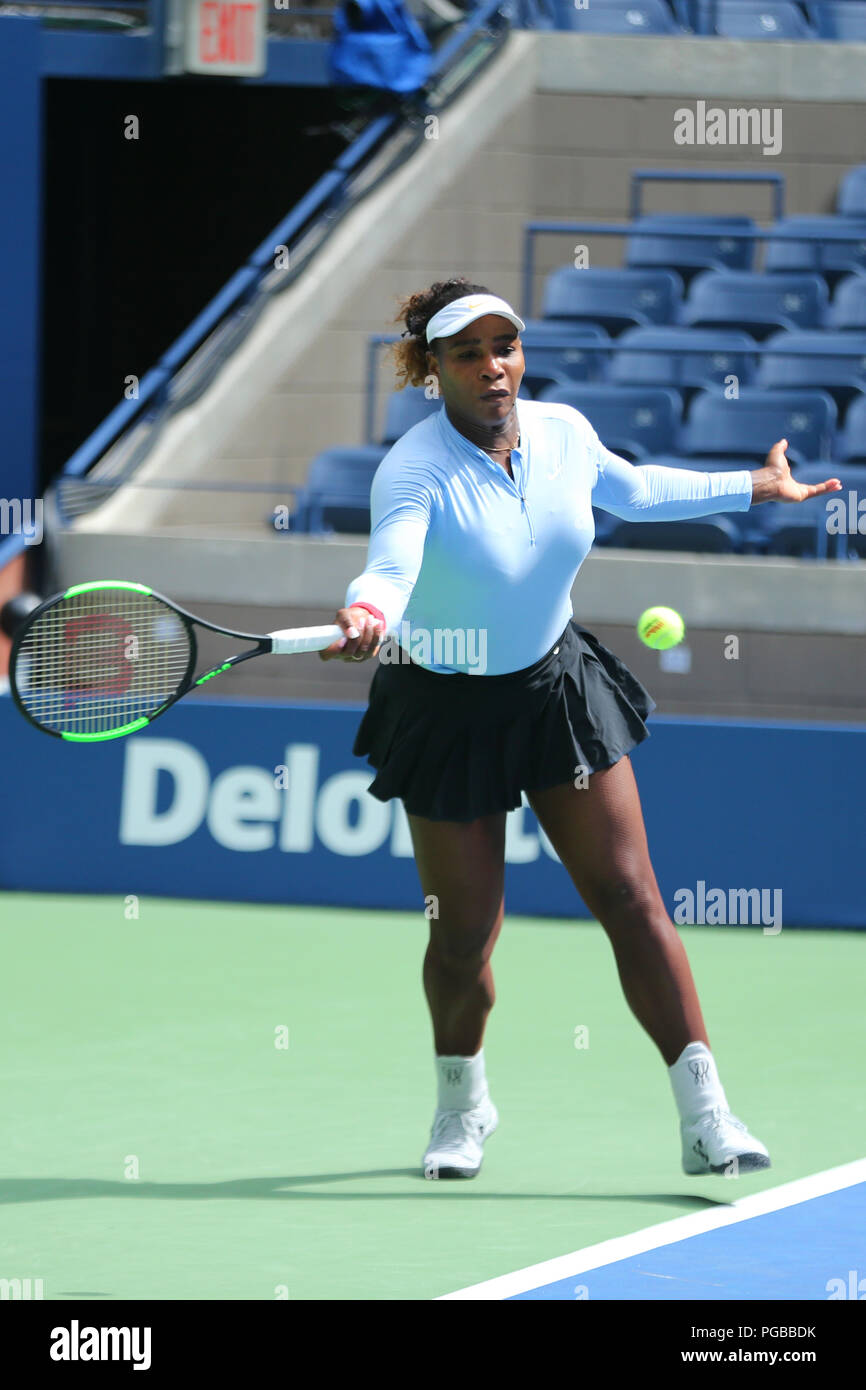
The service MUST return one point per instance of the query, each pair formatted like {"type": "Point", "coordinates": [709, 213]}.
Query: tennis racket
{"type": "Point", "coordinates": [103, 660]}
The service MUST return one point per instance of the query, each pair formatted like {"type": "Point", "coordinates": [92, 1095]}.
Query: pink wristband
{"type": "Point", "coordinates": [377, 612]}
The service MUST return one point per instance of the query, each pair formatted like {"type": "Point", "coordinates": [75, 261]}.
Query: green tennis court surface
{"type": "Point", "coordinates": [157, 1142]}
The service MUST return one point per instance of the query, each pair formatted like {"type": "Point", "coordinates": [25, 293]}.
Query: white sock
{"type": "Point", "coordinates": [461, 1081]}
{"type": "Point", "coordinates": [696, 1083]}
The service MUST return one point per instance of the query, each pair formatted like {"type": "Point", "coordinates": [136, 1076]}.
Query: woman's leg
{"type": "Point", "coordinates": [462, 867]}
{"type": "Point", "coordinates": [598, 833]}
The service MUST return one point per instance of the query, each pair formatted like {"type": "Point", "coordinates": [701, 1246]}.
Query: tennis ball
{"type": "Point", "coordinates": [660, 628]}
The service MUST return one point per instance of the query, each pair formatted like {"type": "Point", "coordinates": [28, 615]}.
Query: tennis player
{"type": "Point", "coordinates": [481, 517]}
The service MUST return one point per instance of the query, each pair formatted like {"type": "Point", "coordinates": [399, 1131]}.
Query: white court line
{"type": "Point", "coordinates": [665, 1233]}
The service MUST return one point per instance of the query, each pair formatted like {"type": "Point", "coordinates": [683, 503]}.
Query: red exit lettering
{"type": "Point", "coordinates": [227, 32]}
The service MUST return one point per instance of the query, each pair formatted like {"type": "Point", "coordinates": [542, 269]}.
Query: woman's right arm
{"type": "Point", "coordinates": [401, 509]}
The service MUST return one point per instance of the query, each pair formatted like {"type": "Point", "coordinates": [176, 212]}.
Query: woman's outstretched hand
{"type": "Point", "coordinates": [774, 482]}
{"type": "Point", "coordinates": [362, 639]}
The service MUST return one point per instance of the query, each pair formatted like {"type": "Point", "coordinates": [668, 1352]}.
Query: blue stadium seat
{"type": "Point", "coordinates": [706, 534]}
{"type": "Point", "coordinates": [561, 351]}
{"type": "Point", "coordinates": [692, 15]}
{"type": "Point", "coordinates": [841, 20]}
{"type": "Point", "coordinates": [754, 302]}
{"type": "Point", "coordinates": [612, 298]}
{"type": "Point", "coordinates": [803, 530]}
{"type": "Point", "coordinates": [630, 420]}
{"type": "Point", "coordinates": [405, 409]}
{"type": "Point", "coordinates": [722, 354]}
{"type": "Point", "coordinates": [750, 525]}
{"type": "Point", "coordinates": [755, 19]}
{"type": "Point", "coordinates": [851, 441]}
{"type": "Point", "coordinates": [534, 14]}
{"type": "Point", "coordinates": [337, 492]}
{"type": "Point", "coordinates": [604, 524]}
{"type": "Point", "coordinates": [617, 17]}
{"type": "Point", "coordinates": [687, 255]}
{"type": "Point", "coordinates": [851, 200]}
{"type": "Point", "coordinates": [836, 248]}
{"type": "Point", "coordinates": [848, 309]}
{"type": "Point", "coordinates": [750, 425]}
{"type": "Point", "coordinates": [823, 363]}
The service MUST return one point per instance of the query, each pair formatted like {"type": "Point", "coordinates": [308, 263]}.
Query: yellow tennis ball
{"type": "Point", "coordinates": [660, 628]}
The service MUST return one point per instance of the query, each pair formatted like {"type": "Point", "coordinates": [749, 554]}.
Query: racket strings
{"type": "Point", "coordinates": [97, 661]}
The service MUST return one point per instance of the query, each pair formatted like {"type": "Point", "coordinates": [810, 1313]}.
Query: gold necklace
{"type": "Point", "coordinates": [506, 448]}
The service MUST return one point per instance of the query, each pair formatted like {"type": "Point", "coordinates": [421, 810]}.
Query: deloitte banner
{"type": "Point", "coordinates": [748, 824]}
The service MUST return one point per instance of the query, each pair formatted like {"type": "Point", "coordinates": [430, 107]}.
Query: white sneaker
{"type": "Point", "coordinates": [718, 1142]}
{"type": "Point", "coordinates": [455, 1148]}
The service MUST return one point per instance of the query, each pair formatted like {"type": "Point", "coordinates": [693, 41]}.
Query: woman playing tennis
{"type": "Point", "coordinates": [481, 517]}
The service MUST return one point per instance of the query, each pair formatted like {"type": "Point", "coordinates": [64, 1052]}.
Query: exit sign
{"type": "Point", "coordinates": [225, 37]}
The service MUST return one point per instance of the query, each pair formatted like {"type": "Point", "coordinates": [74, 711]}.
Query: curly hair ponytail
{"type": "Point", "coordinates": [410, 354]}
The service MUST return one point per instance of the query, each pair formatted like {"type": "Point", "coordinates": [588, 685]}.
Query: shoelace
{"type": "Point", "coordinates": [450, 1131]}
{"type": "Point", "coordinates": [724, 1117]}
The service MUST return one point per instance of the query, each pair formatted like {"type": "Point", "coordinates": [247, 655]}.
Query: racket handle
{"type": "Point", "coordinates": [304, 639]}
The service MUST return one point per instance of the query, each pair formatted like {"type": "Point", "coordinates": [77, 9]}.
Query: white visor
{"type": "Point", "coordinates": [461, 312]}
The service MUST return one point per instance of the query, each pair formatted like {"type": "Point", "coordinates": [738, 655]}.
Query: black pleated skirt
{"type": "Point", "coordinates": [455, 747]}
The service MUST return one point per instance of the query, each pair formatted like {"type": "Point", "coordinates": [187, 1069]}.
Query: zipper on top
{"type": "Point", "coordinates": [518, 491]}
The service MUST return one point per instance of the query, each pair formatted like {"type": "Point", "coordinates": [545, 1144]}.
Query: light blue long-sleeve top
{"type": "Point", "coordinates": [459, 549]}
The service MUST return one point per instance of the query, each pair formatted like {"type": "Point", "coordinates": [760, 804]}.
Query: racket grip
{"type": "Point", "coordinates": [304, 639]}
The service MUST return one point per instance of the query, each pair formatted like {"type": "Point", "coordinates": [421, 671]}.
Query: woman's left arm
{"type": "Point", "coordinates": [654, 492]}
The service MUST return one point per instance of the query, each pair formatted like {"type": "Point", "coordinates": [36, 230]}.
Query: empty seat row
{"type": "Point", "coordinates": [634, 420]}
{"type": "Point", "coordinates": [752, 300]}
{"type": "Point", "coordinates": [827, 526]}
{"type": "Point", "coordinates": [693, 358]}
{"type": "Point", "coordinates": [337, 498]}
{"type": "Point", "coordinates": [834, 20]}
{"type": "Point", "coordinates": [639, 424]}
{"type": "Point", "coordinates": [832, 244]}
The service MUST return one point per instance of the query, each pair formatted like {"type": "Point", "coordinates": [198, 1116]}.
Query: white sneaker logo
{"type": "Point", "coordinates": [453, 1075]}
{"type": "Point", "coordinates": [700, 1070]}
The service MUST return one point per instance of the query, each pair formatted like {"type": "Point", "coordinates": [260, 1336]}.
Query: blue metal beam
{"type": "Point", "coordinates": [73, 53]}
{"type": "Point", "coordinates": [20, 256]}
{"type": "Point", "coordinates": [291, 62]}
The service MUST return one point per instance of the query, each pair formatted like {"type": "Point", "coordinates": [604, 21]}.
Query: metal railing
{"type": "Point", "coordinates": [85, 15]}
{"type": "Point", "coordinates": [281, 20]}
{"type": "Point", "coordinates": [642, 176]}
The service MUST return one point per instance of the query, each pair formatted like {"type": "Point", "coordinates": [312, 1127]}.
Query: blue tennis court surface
{"type": "Point", "coordinates": [787, 1254]}
{"type": "Point", "coordinates": [804, 1240]}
